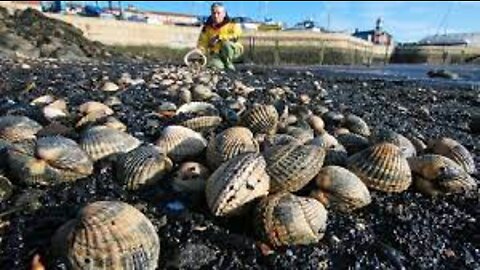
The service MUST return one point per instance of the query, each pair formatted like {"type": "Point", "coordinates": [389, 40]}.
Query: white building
{"type": "Point", "coordinates": [467, 39]}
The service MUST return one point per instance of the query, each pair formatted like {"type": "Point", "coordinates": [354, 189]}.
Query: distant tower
{"type": "Point", "coordinates": [379, 25]}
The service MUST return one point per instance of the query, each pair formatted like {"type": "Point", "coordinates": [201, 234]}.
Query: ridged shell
{"type": "Point", "coordinates": [261, 119]}
{"type": "Point", "coordinates": [337, 155]}
{"type": "Point", "coordinates": [191, 177]}
{"type": "Point", "coordinates": [384, 135]}
{"type": "Point", "coordinates": [382, 167]}
{"type": "Point", "coordinates": [302, 135]}
{"type": "Point", "coordinates": [278, 139]}
{"type": "Point", "coordinates": [108, 235]}
{"type": "Point", "coordinates": [92, 119]}
{"type": "Point", "coordinates": [180, 142]}
{"type": "Point", "coordinates": [292, 166]}
{"type": "Point", "coordinates": [94, 106]}
{"type": "Point", "coordinates": [455, 151]}
{"type": "Point", "coordinates": [436, 174]}
{"type": "Point", "coordinates": [50, 160]}
{"type": "Point", "coordinates": [201, 108]}
{"type": "Point", "coordinates": [142, 167]}
{"type": "Point", "coordinates": [202, 123]}
{"type": "Point", "coordinates": [236, 183]}
{"type": "Point", "coordinates": [285, 219]}
{"type": "Point", "coordinates": [340, 189]}
{"type": "Point", "coordinates": [100, 142]}
{"type": "Point", "coordinates": [357, 125]}
{"type": "Point", "coordinates": [54, 110]}
{"type": "Point", "coordinates": [230, 143]}
{"type": "Point", "coordinates": [353, 142]}
{"type": "Point", "coordinates": [15, 128]}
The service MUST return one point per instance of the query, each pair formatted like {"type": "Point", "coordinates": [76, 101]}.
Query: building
{"type": "Point", "coordinates": [170, 18]}
{"type": "Point", "coordinates": [376, 36]}
{"type": "Point", "coordinates": [465, 39]}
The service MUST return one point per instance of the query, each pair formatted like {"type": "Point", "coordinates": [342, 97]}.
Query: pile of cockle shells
{"type": "Point", "coordinates": [239, 153]}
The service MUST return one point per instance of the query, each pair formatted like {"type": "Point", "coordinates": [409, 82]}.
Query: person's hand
{"type": "Point", "coordinates": [213, 41]}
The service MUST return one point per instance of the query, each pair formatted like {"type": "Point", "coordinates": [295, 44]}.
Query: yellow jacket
{"type": "Point", "coordinates": [227, 31]}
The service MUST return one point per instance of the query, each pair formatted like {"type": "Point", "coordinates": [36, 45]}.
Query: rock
{"type": "Point", "coordinates": [474, 124]}
{"type": "Point", "coordinates": [442, 73]}
{"type": "Point", "coordinates": [192, 256]}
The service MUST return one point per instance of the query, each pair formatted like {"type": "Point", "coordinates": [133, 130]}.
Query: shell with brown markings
{"type": "Point", "coordinates": [236, 183]}
{"type": "Point", "coordinates": [340, 189]}
{"type": "Point", "coordinates": [382, 167]}
{"type": "Point", "coordinates": [108, 235]}
{"type": "Point", "coordinates": [285, 219]}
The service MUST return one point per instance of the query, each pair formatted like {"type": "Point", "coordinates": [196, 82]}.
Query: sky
{"type": "Point", "coordinates": [407, 21]}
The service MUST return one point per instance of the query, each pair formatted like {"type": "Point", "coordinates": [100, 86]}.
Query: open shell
{"type": "Point", "coordinates": [455, 151]}
{"type": "Point", "coordinates": [436, 174]}
{"type": "Point", "coordinates": [48, 161]}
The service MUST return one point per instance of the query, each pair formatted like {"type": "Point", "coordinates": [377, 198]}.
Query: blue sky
{"type": "Point", "coordinates": [407, 21]}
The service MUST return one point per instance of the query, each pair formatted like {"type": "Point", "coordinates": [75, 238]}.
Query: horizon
{"type": "Point", "coordinates": [406, 21]}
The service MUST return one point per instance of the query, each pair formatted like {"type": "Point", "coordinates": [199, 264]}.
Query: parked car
{"type": "Point", "coordinates": [307, 25]}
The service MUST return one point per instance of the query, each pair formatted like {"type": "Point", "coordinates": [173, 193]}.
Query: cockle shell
{"type": "Point", "coordinates": [108, 235]}
{"type": "Point", "coordinates": [142, 167]}
{"type": "Point", "coordinates": [230, 143]}
{"type": "Point", "coordinates": [382, 167]}
{"type": "Point", "coordinates": [285, 219]}
{"type": "Point", "coordinates": [261, 119]}
{"type": "Point", "coordinates": [15, 128]}
{"type": "Point", "coordinates": [353, 142]}
{"type": "Point", "coordinates": [180, 142]}
{"type": "Point", "coordinates": [94, 106]}
{"type": "Point", "coordinates": [202, 124]}
{"type": "Point", "coordinates": [384, 135]}
{"type": "Point", "coordinates": [236, 183]}
{"type": "Point", "coordinates": [436, 174]}
{"type": "Point", "coordinates": [301, 134]}
{"type": "Point", "coordinates": [340, 189]}
{"type": "Point", "coordinates": [455, 151]}
{"type": "Point", "coordinates": [100, 142]}
{"type": "Point", "coordinates": [356, 125]}
{"type": "Point", "coordinates": [48, 161]}
{"type": "Point", "coordinates": [292, 166]}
